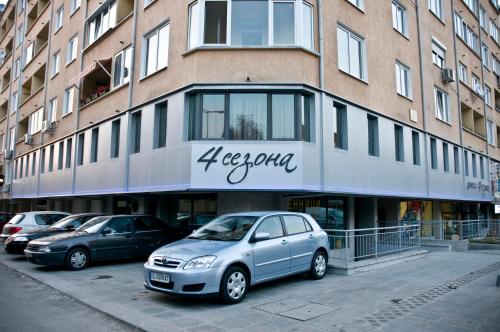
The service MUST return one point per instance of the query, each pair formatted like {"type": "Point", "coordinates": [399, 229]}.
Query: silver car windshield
{"type": "Point", "coordinates": [93, 225]}
{"type": "Point", "coordinates": [225, 228]}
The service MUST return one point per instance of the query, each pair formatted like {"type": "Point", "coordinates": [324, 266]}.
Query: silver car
{"type": "Point", "coordinates": [235, 251]}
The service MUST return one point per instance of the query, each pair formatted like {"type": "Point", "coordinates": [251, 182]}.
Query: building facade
{"type": "Point", "coordinates": [358, 112]}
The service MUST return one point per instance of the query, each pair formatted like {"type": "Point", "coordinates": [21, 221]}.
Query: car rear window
{"type": "Point", "coordinates": [48, 219]}
{"type": "Point", "coordinates": [16, 219]}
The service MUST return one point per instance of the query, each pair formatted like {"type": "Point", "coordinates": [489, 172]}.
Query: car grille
{"type": "Point", "coordinates": [166, 262]}
{"type": "Point", "coordinates": [157, 284]}
{"type": "Point", "coordinates": [33, 247]}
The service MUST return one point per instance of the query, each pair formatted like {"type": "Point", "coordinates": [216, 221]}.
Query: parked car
{"type": "Point", "coordinates": [5, 217]}
{"type": "Point", "coordinates": [235, 251]}
{"type": "Point", "coordinates": [15, 244]}
{"type": "Point", "coordinates": [102, 238]}
{"type": "Point", "coordinates": [31, 220]}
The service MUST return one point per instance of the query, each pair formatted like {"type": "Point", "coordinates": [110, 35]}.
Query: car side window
{"type": "Point", "coordinates": [47, 219]}
{"type": "Point", "coordinates": [294, 224]}
{"type": "Point", "coordinates": [77, 222]}
{"type": "Point", "coordinates": [119, 225]}
{"type": "Point", "coordinates": [272, 226]}
{"type": "Point", "coordinates": [145, 224]}
{"type": "Point", "coordinates": [308, 225]}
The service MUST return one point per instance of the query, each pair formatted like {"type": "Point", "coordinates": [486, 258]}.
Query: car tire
{"type": "Point", "coordinates": [234, 285]}
{"type": "Point", "coordinates": [77, 259]}
{"type": "Point", "coordinates": [318, 265]}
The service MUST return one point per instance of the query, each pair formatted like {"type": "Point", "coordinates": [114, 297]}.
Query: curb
{"type": "Point", "coordinates": [123, 322]}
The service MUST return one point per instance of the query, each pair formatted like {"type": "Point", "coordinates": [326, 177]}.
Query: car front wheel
{"type": "Point", "coordinates": [234, 285]}
{"type": "Point", "coordinates": [77, 259]}
{"type": "Point", "coordinates": [318, 265]}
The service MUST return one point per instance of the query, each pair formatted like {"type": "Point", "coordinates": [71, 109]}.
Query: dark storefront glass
{"type": "Point", "coordinates": [329, 212]}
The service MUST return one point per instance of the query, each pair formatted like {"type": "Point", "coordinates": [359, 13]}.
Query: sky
{"type": "Point", "coordinates": [3, 1]}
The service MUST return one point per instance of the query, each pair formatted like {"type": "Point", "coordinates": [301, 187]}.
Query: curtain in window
{"type": "Point", "coordinates": [248, 116]}
{"type": "Point", "coordinates": [283, 117]}
{"type": "Point", "coordinates": [212, 116]}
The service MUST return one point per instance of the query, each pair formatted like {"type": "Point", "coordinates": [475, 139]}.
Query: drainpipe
{"type": "Point", "coordinates": [323, 96]}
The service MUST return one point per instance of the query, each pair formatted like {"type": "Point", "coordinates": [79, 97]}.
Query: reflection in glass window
{"type": "Point", "coordinates": [272, 226]}
{"type": "Point", "coordinates": [213, 116]}
{"type": "Point", "coordinates": [248, 116]}
{"type": "Point", "coordinates": [283, 116]}
{"type": "Point", "coordinates": [249, 23]}
{"type": "Point", "coordinates": [215, 22]}
{"type": "Point", "coordinates": [283, 19]}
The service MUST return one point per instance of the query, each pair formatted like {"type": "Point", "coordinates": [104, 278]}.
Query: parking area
{"type": "Point", "coordinates": [441, 291]}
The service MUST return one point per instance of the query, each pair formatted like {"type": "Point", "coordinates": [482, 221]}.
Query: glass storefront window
{"type": "Point", "coordinates": [328, 212]}
{"type": "Point", "coordinates": [248, 116]}
{"type": "Point", "coordinates": [193, 213]}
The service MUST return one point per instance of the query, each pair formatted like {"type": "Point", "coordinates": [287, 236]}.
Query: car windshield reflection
{"type": "Point", "coordinates": [225, 228]}
{"type": "Point", "coordinates": [93, 225]}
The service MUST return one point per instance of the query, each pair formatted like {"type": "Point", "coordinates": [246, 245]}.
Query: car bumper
{"type": "Point", "coordinates": [15, 246]}
{"type": "Point", "coordinates": [3, 237]}
{"type": "Point", "coordinates": [202, 282]}
{"type": "Point", "coordinates": [45, 258]}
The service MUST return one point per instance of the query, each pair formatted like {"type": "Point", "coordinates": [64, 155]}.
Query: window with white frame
{"type": "Point", "coordinates": [28, 53]}
{"type": "Point", "coordinates": [483, 19]}
{"type": "Point", "coordinates": [148, 2]}
{"type": "Point", "coordinates": [56, 59]}
{"type": "Point", "coordinates": [15, 102]}
{"type": "Point", "coordinates": [52, 112]}
{"type": "Point", "coordinates": [466, 33]}
{"type": "Point", "coordinates": [487, 95]}
{"type": "Point", "coordinates": [471, 4]}
{"type": "Point", "coordinates": [436, 6]}
{"type": "Point", "coordinates": [485, 56]}
{"type": "Point", "coordinates": [71, 52]}
{"type": "Point", "coordinates": [21, 4]}
{"type": "Point", "coordinates": [19, 35]}
{"type": "Point", "coordinates": [357, 3]}
{"type": "Point", "coordinates": [490, 133]}
{"type": "Point", "coordinates": [69, 96]}
{"type": "Point", "coordinates": [251, 23]}
{"type": "Point", "coordinates": [350, 53]}
{"type": "Point", "coordinates": [476, 82]}
{"type": "Point", "coordinates": [17, 68]}
{"type": "Point", "coordinates": [35, 121]}
{"type": "Point", "coordinates": [403, 80]}
{"type": "Point", "coordinates": [494, 31]}
{"type": "Point", "coordinates": [495, 65]}
{"type": "Point", "coordinates": [438, 54]}
{"type": "Point", "coordinates": [12, 138]}
{"type": "Point", "coordinates": [59, 19]}
{"type": "Point", "coordinates": [156, 50]}
{"type": "Point", "coordinates": [442, 105]}
{"type": "Point", "coordinates": [101, 22]}
{"type": "Point", "coordinates": [122, 63]}
{"type": "Point", "coordinates": [74, 5]}
{"type": "Point", "coordinates": [462, 72]}
{"type": "Point", "coordinates": [399, 18]}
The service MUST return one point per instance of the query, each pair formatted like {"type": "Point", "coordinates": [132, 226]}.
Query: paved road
{"type": "Point", "coordinates": [28, 305]}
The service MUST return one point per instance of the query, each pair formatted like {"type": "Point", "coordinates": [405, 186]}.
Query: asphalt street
{"type": "Point", "coordinates": [28, 305]}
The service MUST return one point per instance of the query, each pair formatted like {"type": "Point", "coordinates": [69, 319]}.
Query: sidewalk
{"type": "Point", "coordinates": [442, 291]}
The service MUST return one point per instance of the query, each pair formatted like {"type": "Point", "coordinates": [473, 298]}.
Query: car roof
{"type": "Point", "coordinates": [45, 212]}
{"type": "Point", "coordinates": [260, 213]}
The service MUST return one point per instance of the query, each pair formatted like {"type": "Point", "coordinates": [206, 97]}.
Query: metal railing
{"type": "Point", "coordinates": [358, 244]}
{"type": "Point", "coordinates": [457, 229]}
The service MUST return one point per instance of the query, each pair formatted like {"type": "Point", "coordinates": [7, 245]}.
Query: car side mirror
{"type": "Point", "coordinates": [106, 231]}
{"type": "Point", "coordinates": [70, 228]}
{"type": "Point", "coordinates": [260, 237]}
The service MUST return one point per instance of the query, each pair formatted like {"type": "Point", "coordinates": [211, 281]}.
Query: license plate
{"type": "Point", "coordinates": [160, 277]}
{"type": "Point", "coordinates": [28, 254]}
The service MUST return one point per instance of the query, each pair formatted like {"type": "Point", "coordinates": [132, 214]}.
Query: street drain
{"type": "Point", "coordinates": [103, 277]}
{"type": "Point", "coordinates": [400, 307]}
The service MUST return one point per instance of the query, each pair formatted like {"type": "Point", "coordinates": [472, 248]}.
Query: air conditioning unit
{"type": "Point", "coordinates": [7, 154]}
{"type": "Point", "coordinates": [48, 126]}
{"type": "Point", "coordinates": [28, 139]}
{"type": "Point", "coordinates": [447, 75]}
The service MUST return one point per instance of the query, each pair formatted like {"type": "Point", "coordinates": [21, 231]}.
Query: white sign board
{"type": "Point", "coordinates": [247, 166]}
{"type": "Point", "coordinates": [497, 208]}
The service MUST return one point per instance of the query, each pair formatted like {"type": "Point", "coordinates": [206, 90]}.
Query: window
{"type": "Point", "coordinates": [120, 225]}
{"type": "Point", "coordinates": [471, 4]}
{"type": "Point", "coordinates": [135, 147]}
{"type": "Point", "coordinates": [373, 149]}
{"type": "Point", "coordinates": [438, 54]}
{"type": "Point", "coordinates": [74, 5]}
{"type": "Point", "coordinates": [357, 3]}
{"type": "Point", "coordinates": [81, 145]}
{"type": "Point", "coordinates": [481, 167]}
{"type": "Point", "coordinates": [15, 102]}
{"type": "Point", "coordinates": [307, 26]}
{"type": "Point", "coordinates": [160, 126]}
{"type": "Point", "coordinates": [476, 83]}
{"type": "Point", "coordinates": [485, 57]}
{"type": "Point", "coordinates": [58, 22]}
{"type": "Point", "coordinates": [446, 158]}
{"type": "Point", "coordinates": [33, 163]}
{"type": "Point", "coordinates": [12, 138]}
{"type": "Point", "coordinates": [399, 18]}
{"type": "Point", "coordinates": [21, 4]}
{"type": "Point", "coordinates": [494, 31]}
{"type": "Point", "coordinates": [482, 19]}
{"type": "Point", "coordinates": [28, 53]}
{"type": "Point", "coordinates": [69, 96]}
{"type": "Point", "coordinates": [101, 22]}
{"type": "Point", "coordinates": [215, 28]}
{"type": "Point", "coordinates": [294, 224]}
{"type": "Point", "coordinates": [456, 160]}
{"type": "Point", "coordinates": [147, 2]}
{"type": "Point", "coordinates": [51, 158]}
{"type": "Point", "coordinates": [340, 137]}
{"type": "Point", "coordinates": [69, 146]}
{"type": "Point", "coordinates": [474, 166]}
{"type": "Point", "coordinates": [466, 163]}
{"type": "Point", "coordinates": [156, 47]}
{"type": "Point", "coordinates": [115, 138]}
{"type": "Point", "coordinates": [60, 156]}
{"type": "Point", "coordinates": [436, 7]}
{"type": "Point", "coordinates": [434, 161]}
{"type": "Point", "coordinates": [350, 53]}
{"type": "Point", "coordinates": [121, 67]}
{"type": "Point", "coordinates": [15, 169]}
{"type": "Point", "coordinates": [490, 133]}
{"type": "Point", "coordinates": [487, 95]}
{"type": "Point", "coordinates": [466, 33]}
{"type": "Point", "coordinates": [21, 162]}
{"type": "Point", "coordinates": [35, 121]}
{"type": "Point", "coordinates": [250, 116]}
{"type": "Point", "coordinates": [250, 23]}
{"type": "Point", "coordinates": [56, 59]}
{"type": "Point", "coordinates": [2, 142]}
{"type": "Point", "coordinates": [94, 145]}
{"type": "Point", "coordinates": [399, 143]}
{"type": "Point", "coordinates": [52, 114]}
{"type": "Point", "coordinates": [72, 49]}
{"type": "Point", "coordinates": [462, 73]}
{"type": "Point", "coordinates": [19, 35]}
{"type": "Point", "coordinates": [147, 224]}
{"type": "Point", "coordinates": [283, 23]}
{"type": "Point", "coordinates": [272, 226]}
{"type": "Point", "coordinates": [17, 68]}
{"type": "Point", "coordinates": [442, 105]}
{"type": "Point", "coordinates": [403, 80]}
{"type": "Point", "coordinates": [26, 171]}
{"type": "Point", "coordinates": [415, 140]}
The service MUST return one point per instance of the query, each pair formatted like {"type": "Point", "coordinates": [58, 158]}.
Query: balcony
{"type": "Point", "coordinates": [39, 43]}
{"type": "Point", "coordinates": [5, 80]}
{"type": "Point", "coordinates": [8, 51]}
{"type": "Point", "coordinates": [3, 109]}
{"type": "Point", "coordinates": [472, 121]}
{"type": "Point", "coordinates": [33, 85]}
{"type": "Point", "coordinates": [7, 24]}
{"type": "Point", "coordinates": [35, 12]}
{"type": "Point", "coordinates": [97, 83]}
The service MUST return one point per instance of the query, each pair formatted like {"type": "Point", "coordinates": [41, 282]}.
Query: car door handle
{"type": "Point", "coordinates": [284, 242]}
{"type": "Point", "coordinates": [311, 236]}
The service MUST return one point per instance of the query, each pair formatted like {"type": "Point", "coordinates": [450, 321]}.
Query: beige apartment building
{"type": "Point", "coordinates": [356, 111]}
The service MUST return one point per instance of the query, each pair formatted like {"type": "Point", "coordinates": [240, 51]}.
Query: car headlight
{"type": "Point", "coordinates": [151, 259]}
{"type": "Point", "coordinates": [20, 239]}
{"type": "Point", "coordinates": [203, 262]}
{"type": "Point", "coordinates": [44, 249]}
